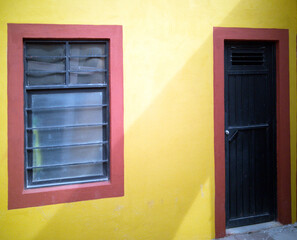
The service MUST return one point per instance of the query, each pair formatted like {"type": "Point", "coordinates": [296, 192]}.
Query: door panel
{"type": "Point", "coordinates": [250, 132]}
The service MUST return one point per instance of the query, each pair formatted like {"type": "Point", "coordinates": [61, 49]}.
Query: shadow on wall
{"type": "Point", "coordinates": [169, 185]}
{"type": "Point", "coordinates": [157, 201]}
{"type": "Point", "coordinates": [167, 190]}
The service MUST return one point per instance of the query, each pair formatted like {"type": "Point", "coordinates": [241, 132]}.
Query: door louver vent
{"type": "Point", "coordinates": [247, 58]}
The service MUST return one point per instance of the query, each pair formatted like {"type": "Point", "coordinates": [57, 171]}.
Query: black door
{"type": "Point", "coordinates": [250, 132]}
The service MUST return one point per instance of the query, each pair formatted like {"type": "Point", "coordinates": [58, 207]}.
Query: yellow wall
{"type": "Point", "coordinates": [168, 100]}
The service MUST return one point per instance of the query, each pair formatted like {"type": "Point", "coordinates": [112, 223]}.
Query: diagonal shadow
{"type": "Point", "coordinates": [169, 162]}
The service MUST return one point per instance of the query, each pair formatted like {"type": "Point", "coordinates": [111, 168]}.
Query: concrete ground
{"type": "Point", "coordinates": [286, 232]}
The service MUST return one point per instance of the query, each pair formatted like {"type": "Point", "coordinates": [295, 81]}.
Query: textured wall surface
{"type": "Point", "coordinates": [168, 116]}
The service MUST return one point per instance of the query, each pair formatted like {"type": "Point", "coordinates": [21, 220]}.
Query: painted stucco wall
{"type": "Point", "coordinates": [168, 116]}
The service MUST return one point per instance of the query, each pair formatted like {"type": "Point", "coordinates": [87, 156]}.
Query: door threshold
{"type": "Point", "coordinates": [252, 228]}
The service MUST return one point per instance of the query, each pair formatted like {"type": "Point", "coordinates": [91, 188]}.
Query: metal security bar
{"type": "Point", "coordinates": [66, 91]}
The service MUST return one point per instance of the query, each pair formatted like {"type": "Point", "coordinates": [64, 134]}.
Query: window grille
{"type": "Point", "coordinates": [66, 112]}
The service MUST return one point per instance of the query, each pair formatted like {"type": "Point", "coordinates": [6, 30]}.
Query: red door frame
{"type": "Point", "coordinates": [281, 38]}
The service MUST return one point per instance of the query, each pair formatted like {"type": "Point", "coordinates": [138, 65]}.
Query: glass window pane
{"type": "Point", "coordinates": [66, 99]}
{"type": "Point", "coordinates": [46, 64]}
{"type": "Point", "coordinates": [77, 154]}
{"type": "Point", "coordinates": [65, 117]}
{"type": "Point", "coordinates": [87, 64]}
{"type": "Point", "coordinates": [58, 116]}
{"type": "Point", "coordinates": [45, 49]}
{"type": "Point", "coordinates": [83, 49]}
{"type": "Point", "coordinates": [67, 172]}
{"type": "Point", "coordinates": [54, 137]}
{"type": "Point", "coordinates": [45, 79]}
{"type": "Point", "coordinates": [87, 78]}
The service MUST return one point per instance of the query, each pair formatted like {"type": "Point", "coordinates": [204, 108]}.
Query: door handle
{"type": "Point", "coordinates": [227, 132]}
{"type": "Point", "coordinates": [233, 135]}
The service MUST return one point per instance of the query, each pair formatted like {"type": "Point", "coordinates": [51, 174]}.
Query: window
{"type": "Point", "coordinates": [65, 113]}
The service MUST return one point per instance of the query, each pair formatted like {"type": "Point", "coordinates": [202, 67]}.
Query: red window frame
{"type": "Point", "coordinates": [18, 196]}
